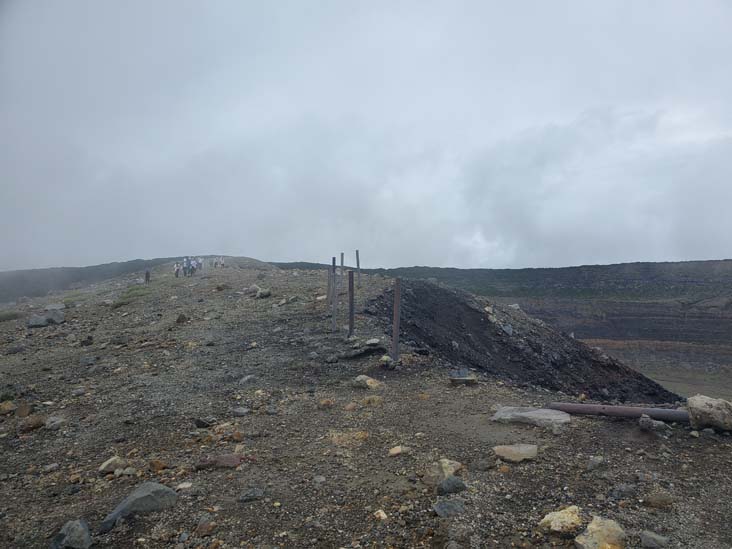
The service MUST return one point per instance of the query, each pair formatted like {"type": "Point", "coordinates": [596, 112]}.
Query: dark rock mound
{"type": "Point", "coordinates": [466, 330]}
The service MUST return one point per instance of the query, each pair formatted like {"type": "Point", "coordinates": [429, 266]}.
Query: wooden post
{"type": "Point", "coordinates": [350, 303]}
{"type": "Point", "coordinates": [396, 319]}
{"type": "Point", "coordinates": [358, 269]}
{"type": "Point", "coordinates": [330, 290]}
{"type": "Point", "coordinates": [334, 303]}
{"type": "Point", "coordinates": [343, 273]}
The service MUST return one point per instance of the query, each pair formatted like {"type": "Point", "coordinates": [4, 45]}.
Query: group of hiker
{"type": "Point", "coordinates": [189, 265]}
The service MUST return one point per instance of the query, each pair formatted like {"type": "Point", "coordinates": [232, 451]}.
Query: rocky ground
{"type": "Point", "coordinates": [247, 409]}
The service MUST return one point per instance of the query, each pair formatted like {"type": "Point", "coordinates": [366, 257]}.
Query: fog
{"type": "Point", "coordinates": [466, 134]}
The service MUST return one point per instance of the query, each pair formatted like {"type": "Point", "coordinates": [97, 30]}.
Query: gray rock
{"type": "Point", "coordinates": [37, 321]}
{"type": "Point", "coordinates": [448, 508]}
{"type": "Point", "coordinates": [508, 329]}
{"type": "Point", "coordinates": [55, 317]}
{"type": "Point", "coordinates": [74, 535]}
{"type": "Point", "coordinates": [248, 379]}
{"type": "Point", "coordinates": [241, 412]}
{"type": "Point", "coordinates": [87, 361]}
{"type": "Point", "coordinates": [451, 485]}
{"type": "Point", "coordinates": [651, 425]}
{"type": "Point", "coordinates": [540, 417]}
{"type": "Point", "coordinates": [54, 423]}
{"type": "Point", "coordinates": [516, 453]}
{"type": "Point", "coordinates": [78, 392]}
{"type": "Point", "coordinates": [146, 498]}
{"type": "Point", "coordinates": [463, 377]}
{"type": "Point", "coordinates": [709, 412]}
{"type": "Point", "coordinates": [263, 293]}
{"type": "Point", "coordinates": [652, 540]}
{"type": "Point", "coordinates": [595, 462]}
{"type": "Point", "coordinates": [253, 494]}
{"type": "Point", "coordinates": [55, 307]}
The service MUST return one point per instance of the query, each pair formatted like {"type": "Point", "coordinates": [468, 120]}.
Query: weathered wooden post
{"type": "Point", "coordinates": [396, 319]}
{"type": "Point", "coordinates": [334, 304]}
{"type": "Point", "coordinates": [358, 269]}
{"type": "Point", "coordinates": [343, 273]}
{"type": "Point", "coordinates": [330, 289]}
{"type": "Point", "coordinates": [350, 303]}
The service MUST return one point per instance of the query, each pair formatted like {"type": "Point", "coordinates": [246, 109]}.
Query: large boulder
{"type": "Point", "coordinates": [147, 498]}
{"type": "Point", "coordinates": [705, 411]}
{"type": "Point", "coordinates": [540, 417]}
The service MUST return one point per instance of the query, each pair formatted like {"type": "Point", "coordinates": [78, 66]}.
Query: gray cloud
{"type": "Point", "coordinates": [466, 134]}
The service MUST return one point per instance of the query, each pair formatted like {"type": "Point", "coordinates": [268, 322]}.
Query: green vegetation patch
{"type": "Point", "coordinates": [130, 295]}
{"type": "Point", "coordinates": [9, 315]}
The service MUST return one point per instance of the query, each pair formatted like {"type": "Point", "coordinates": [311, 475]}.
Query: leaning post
{"type": "Point", "coordinates": [350, 304]}
{"type": "Point", "coordinates": [396, 319]}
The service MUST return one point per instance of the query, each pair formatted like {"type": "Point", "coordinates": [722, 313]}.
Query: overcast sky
{"type": "Point", "coordinates": [467, 134]}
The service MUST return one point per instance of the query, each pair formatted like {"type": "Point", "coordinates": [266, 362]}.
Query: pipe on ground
{"type": "Point", "coordinates": [663, 414]}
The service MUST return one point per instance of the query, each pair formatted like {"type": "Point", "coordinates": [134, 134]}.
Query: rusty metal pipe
{"type": "Point", "coordinates": [662, 414]}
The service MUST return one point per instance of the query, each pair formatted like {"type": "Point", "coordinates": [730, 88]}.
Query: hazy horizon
{"type": "Point", "coordinates": [472, 134]}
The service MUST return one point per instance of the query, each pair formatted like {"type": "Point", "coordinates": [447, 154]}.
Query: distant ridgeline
{"type": "Point", "coordinates": [37, 282]}
{"type": "Point", "coordinates": [688, 301]}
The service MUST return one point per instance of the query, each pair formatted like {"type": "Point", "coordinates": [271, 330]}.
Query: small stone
{"type": "Point", "coordinates": [32, 422]}
{"type": "Point", "coordinates": [507, 329]}
{"type": "Point", "coordinates": [24, 409]}
{"type": "Point", "coordinates": [651, 425]}
{"type": "Point", "coordinates": [112, 464]}
{"type": "Point", "coordinates": [7, 407]}
{"type": "Point", "coordinates": [157, 465]}
{"type": "Point", "coordinates": [399, 450]}
{"type": "Point", "coordinates": [224, 461]}
{"type": "Point", "coordinates": [652, 540]}
{"type": "Point", "coordinates": [78, 392]}
{"type": "Point", "coordinates": [380, 515]}
{"type": "Point", "coordinates": [241, 412]}
{"type": "Point", "coordinates": [448, 508]}
{"type": "Point", "coordinates": [463, 377]}
{"type": "Point", "coordinates": [563, 522]}
{"type": "Point", "coordinates": [183, 486]}
{"type": "Point", "coordinates": [595, 462]}
{"type": "Point", "coordinates": [386, 361]}
{"type": "Point", "coordinates": [318, 479]}
{"type": "Point", "coordinates": [54, 423]}
{"type": "Point", "coordinates": [332, 359]}
{"type": "Point", "coordinates": [694, 434]}
{"type": "Point", "coordinates": [326, 403]}
{"type": "Point", "coordinates": [248, 379]}
{"type": "Point", "coordinates": [182, 319]}
{"type": "Point", "coordinates": [659, 500]}
{"type": "Point", "coordinates": [252, 494]}
{"type": "Point", "coordinates": [516, 453]}
{"type": "Point", "coordinates": [74, 535]}
{"type": "Point", "coordinates": [50, 467]}
{"type": "Point", "coordinates": [204, 422]}
{"type": "Point", "coordinates": [451, 485]}
{"type": "Point", "coordinates": [126, 472]}
{"type": "Point", "coordinates": [366, 382]}
{"type": "Point", "coordinates": [350, 407]}
{"type": "Point", "coordinates": [440, 470]}
{"type": "Point", "coordinates": [601, 534]}
{"type": "Point", "coordinates": [373, 342]}
{"type": "Point", "coordinates": [263, 293]}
